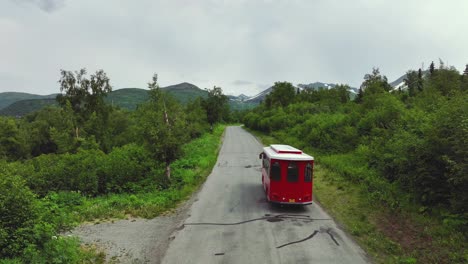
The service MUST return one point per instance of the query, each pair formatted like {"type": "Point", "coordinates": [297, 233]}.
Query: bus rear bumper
{"type": "Point", "coordinates": [288, 203]}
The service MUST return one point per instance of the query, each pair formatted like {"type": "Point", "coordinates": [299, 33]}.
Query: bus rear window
{"type": "Point", "coordinates": [293, 172]}
{"type": "Point", "coordinates": [275, 171]}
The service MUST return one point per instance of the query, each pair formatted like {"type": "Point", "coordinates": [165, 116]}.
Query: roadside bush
{"type": "Point", "coordinates": [18, 215]}
{"type": "Point", "coordinates": [124, 167]}
{"type": "Point", "coordinates": [67, 172]}
{"type": "Point", "coordinates": [330, 133]}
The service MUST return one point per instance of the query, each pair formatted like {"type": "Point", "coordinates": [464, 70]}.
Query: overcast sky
{"type": "Point", "coordinates": [242, 46]}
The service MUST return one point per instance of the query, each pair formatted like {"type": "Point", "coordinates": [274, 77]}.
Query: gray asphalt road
{"type": "Point", "coordinates": [231, 222]}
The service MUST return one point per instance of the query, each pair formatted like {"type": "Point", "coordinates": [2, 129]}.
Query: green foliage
{"type": "Point", "coordinates": [124, 167]}
{"type": "Point", "coordinates": [51, 130]}
{"type": "Point", "coordinates": [19, 214]}
{"type": "Point", "coordinates": [85, 96]}
{"type": "Point", "coordinates": [375, 83]}
{"type": "Point", "coordinates": [282, 95]}
{"type": "Point", "coordinates": [216, 106]}
{"type": "Point", "coordinates": [61, 250]}
{"type": "Point", "coordinates": [197, 122]}
{"type": "Point", "coordinates": [163, 126]}
{"type": "Point", "coordinates": [445, 80]}
{"type": "Point", "coordinates": [12, 142]}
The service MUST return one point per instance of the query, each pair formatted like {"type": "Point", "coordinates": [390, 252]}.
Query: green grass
{"type": "Point", "coordinates": [389, 230]}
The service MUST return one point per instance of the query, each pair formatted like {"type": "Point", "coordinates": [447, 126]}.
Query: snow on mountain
{"type": "Point", "coordinates": [315, 86]}
{"type": "Point", "coordinates": [400, 82]}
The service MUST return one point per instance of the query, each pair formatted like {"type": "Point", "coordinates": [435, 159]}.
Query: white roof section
{"type": "Point", "coordinates": [286, 152]}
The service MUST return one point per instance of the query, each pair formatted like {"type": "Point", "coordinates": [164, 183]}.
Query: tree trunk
{"type": "Point", "coordinates": [77, 132]}
{"type": "Point", "coordinates": [168, 171]}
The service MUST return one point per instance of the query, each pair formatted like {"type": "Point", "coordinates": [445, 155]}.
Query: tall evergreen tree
{"type": "Point", "coordinates": [431, 68]}
{"type": "Point", "coordinates": [359, 96]}
{"type": "Point", "coordinates": [464, 78]}
{"type": "Point", "coordinates": [411, 81]}
{"type": "Point", "coordinates": [420, 80]}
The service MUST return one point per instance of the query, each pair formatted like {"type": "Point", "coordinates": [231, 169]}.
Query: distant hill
{"type": "Point", "coordinates": [20, 104]}
{"type": "Point", "coordinates": [185, 92]}
{"type": "Point", "coordinates": [8, 98]}
{"type": "Point", "coordinates": [127, 98]}
{"type": "Point", "coordinates": [24, 107]}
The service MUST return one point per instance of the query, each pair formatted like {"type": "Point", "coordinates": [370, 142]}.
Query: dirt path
{"type": "Point", "coordinates": [134, 240]}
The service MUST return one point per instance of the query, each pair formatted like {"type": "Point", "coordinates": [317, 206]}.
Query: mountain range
{"type": "Point", "coordinates": [20, 104]}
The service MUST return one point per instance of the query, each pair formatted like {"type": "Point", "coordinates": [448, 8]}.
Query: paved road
{"type": "Point", "coordinates": [231, 222]}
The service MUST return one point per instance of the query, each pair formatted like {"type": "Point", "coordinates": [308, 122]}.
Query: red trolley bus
{"type": "Point", "coordinates": [287, 175]}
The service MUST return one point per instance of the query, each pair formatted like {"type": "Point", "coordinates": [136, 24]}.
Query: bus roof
{"type": "Point", "coordinates": [285, 152]}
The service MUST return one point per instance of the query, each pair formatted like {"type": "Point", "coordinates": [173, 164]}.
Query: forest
{"type": "Point", "coordinates": [87, 160]}
{"type": "Point", "coordinates": [405, 149]}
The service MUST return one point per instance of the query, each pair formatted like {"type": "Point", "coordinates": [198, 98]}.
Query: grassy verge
{"type": "Point", "coordinates": [388, 232]}
{"type": "Point", "coordinates": [189, 172]}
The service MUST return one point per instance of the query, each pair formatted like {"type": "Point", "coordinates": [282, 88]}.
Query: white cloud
{"type": "Point", "coordinates": [45, 5]}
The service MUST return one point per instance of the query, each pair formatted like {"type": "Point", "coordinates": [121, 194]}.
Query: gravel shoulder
{"type": "Point", "coordinates": [134, 240]}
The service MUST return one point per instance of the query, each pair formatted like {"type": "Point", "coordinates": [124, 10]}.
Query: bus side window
{"type": "Point", "coordinates": [308, 173]}
{"type": "Point", "coordinates": [266, 165]}
{"type": "Point", "coordinates": [275, 171]}
{"type": "Point", "coordinates": [293, 172]}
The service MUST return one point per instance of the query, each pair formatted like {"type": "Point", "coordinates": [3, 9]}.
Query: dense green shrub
{"type": "Point", "coordinates": [123, 167]}
{"type": "Point", "coordinates": [18, 215]}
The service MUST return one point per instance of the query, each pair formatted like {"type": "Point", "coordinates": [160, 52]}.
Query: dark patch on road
{"type": "Point", "coordinates": [328, 231]}
{"type": "Point", "coordinates": [267, 217]}
{"type": "Point", "coordinates": [219, 254]}
{"type": "Point", "coordinates": [251, 166]}
{"type": "Point", "coordinates": [299, 241]}
{"type": "Point", "coordinates": [332, 237]}
{"type": "Point", "coordinates": [274, 219]}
